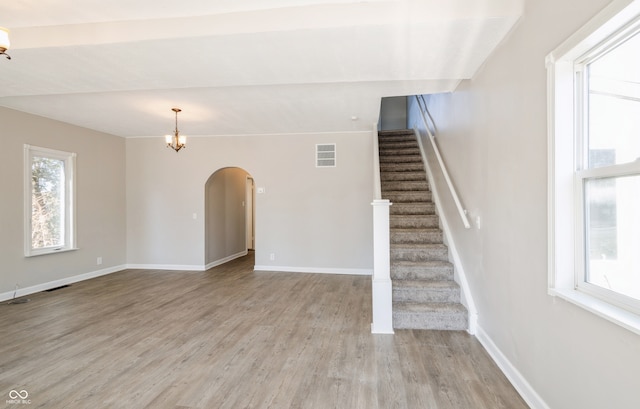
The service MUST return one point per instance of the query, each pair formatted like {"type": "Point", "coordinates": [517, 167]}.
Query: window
{"type": "Point", "coordinates": [594, 166]}
{"type": "Point", "coordinates": [49, 201]}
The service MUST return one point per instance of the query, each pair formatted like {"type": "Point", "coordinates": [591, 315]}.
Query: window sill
{"type": "Point", "coordinates": [44, 253]}
{"type": "Point", "coordinates": [601, 308]}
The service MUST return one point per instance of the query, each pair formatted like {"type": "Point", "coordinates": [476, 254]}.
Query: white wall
{"type": "Point", "coordinates": [492, 133]}
{"type": "Point", "coordinates": [309, 218]}
{"type": "Point", "coordinates": [100, 177]}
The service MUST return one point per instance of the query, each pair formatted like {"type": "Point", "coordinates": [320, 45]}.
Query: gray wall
{"type": "Point", "coordinates": [101, 205]}
{"type": "Point", "coordinates": [393, 113]}
{"type": "Point", "coordinates": [493, 136]}
{"type": "Point", "coordinates": [136, 202]}
{"type": "Point", "coordinates": [307, 217]}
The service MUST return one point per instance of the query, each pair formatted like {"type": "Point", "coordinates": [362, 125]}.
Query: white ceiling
{"type": "Point", "coordinates": [239, 66]}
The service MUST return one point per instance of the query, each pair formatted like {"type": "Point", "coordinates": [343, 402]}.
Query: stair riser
{"type": "Point", "coordinates": [417, 273]}
{"type": "Point", "coordinates": [416, 237]}
{"type": "Point", "coordinates": [399, 152]}
{"type": "Point", "coordinates": [388, 137]}
{"type": "Point", "coordinates": [426, 294]}
{"type": "Point", "coordinates": [388, 145]}
{"type": "Point", "coordinates": [408, 221]}
{"type": "Point", "coordinates": [412, 209]}
{"type": "Point", "coordinates": [401, 254]}
{"type": "Point", "coordinates": [400, 141]}
{"type": "Point", "coordinates": [403, 176]}
{"type": "Point", "coordinates": [399, 186]}
{"type": "Point", "coordinates": [408, 197]}
{"type": "Point", "coordinates": [401, 167]}
{"type": "Point", "coordinates": [451, 322]}
{"type": "Point", "coordinates": [387, 132]}
{"type": "Point", "coordinates": [401, 159]}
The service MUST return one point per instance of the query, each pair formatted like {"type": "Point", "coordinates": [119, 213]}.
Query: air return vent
{"type": "Point", "coordinates": [326, 155]}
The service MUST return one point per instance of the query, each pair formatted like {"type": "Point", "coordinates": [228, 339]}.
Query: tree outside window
{"type": "Point", "coordinates": [49, 200]}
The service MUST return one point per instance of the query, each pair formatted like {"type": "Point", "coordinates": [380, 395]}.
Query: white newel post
{"type": "Point", "coordinates": [381, 281]}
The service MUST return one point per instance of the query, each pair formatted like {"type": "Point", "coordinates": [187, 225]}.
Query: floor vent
{"type": "Point", "coordinates": [326, 155]}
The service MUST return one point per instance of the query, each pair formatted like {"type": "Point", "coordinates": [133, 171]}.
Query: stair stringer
{"type": "Point", "coordinates": [459, 276]}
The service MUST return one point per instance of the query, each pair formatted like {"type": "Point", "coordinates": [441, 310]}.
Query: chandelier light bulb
{"type": "Point", "coordinates": [4, 42]}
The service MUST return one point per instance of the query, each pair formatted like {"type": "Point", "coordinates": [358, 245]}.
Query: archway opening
{"type": "Point", "coordinates": [229, 215]}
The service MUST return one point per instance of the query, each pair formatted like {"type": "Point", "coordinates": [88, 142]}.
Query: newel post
{"type": "Point", "coordinates": [381, 280]}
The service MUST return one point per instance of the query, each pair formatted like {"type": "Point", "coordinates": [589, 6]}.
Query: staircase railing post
{"type": "Point", "coordinates": [381, 282]}
{"type": "Point", "coordinates": [381, 290]}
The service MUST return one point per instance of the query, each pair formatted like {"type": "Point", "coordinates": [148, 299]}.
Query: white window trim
{"type": "Point", "coordinates": [70, 200]}
{"type": "Point", "coordinates": [564, 197]}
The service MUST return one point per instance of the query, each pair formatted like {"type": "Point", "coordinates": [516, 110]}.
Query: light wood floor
{"type": "Point", "coordinates": [232, 338]}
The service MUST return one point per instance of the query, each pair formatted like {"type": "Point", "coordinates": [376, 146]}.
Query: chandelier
{"type": "Point", "coordinates": [4, 42]}
{"type": "Point", "coordinates": [176, 141]}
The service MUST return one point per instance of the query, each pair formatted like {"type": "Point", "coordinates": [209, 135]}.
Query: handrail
{"type": "Point", "coordinates": [425, 112]}
{"type": "Point", "coordinates": [377, 189]}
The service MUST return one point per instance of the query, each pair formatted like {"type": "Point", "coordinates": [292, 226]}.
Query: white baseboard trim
{"type": "Point", "coordinates": [226, 259]}
{"type": "Point", "coordinates": [518, 381]}
{"type": "Point", "coordinates": [58, 283]}
{"type": "Point", "coordinates": [187, 267]}
{"type": "Point", "coordinates": [315, 270]}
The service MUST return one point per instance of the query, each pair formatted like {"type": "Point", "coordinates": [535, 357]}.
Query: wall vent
{"type": "Point", "coordinates": [326, 155]}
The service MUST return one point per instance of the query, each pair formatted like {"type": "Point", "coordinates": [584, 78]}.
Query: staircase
{"type": "Point", "coordinates": [425, 296]}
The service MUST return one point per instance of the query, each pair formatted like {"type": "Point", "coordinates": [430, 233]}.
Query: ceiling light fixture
{"type": "Point", "coordinates": [4, 42]}
{"type": "Point", "coordinates": [176, 141]}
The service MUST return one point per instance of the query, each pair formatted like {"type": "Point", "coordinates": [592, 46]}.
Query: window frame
{"type": "Point", "coordinates": [69, 159]}
{"type": "Point", "coordinates": [566, 177]}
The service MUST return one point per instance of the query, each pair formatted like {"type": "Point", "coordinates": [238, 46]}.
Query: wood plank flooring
{"type": "Point", "coordinates": [233, 338]}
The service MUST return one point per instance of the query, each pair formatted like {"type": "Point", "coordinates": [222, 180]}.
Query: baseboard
{"type": "Point", "coordinates": [188, 267]}
{"type": "Point", "coordinates": [315, 270]}
{"type": "Point", "coordinates": [21, 292]}
{"type": "Point", "coordinates": [518, 381]}
{"type": "Point", "coordinates": [226, 259]}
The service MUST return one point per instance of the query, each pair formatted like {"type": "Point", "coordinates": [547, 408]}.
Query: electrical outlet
{"type": "Point", "coordinates": [272, 256]}
{"type": "Point", "coordinates": [99, 261]}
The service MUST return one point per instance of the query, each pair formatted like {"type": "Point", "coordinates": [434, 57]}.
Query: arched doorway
{"type": "Point", "coordinates": [229, 215]}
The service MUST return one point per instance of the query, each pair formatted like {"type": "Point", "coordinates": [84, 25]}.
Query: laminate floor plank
{"type": "Point", "coordinates": [230, 337]}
